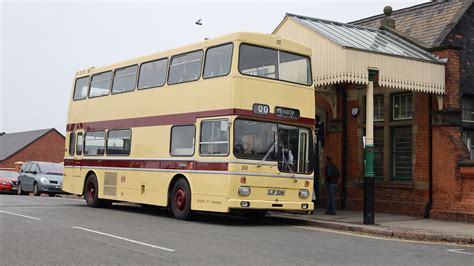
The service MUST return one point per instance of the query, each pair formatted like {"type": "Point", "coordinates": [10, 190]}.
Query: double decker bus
{"type": "Point", "coordinates": [224, 125]}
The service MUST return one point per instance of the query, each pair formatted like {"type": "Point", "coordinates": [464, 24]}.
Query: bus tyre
{"type": "Point", "coordinates": [36, 192]}
{"type": "Point", "coordinates": [91, 194]}
{"type": "Point", "coordinates": [181, 200]}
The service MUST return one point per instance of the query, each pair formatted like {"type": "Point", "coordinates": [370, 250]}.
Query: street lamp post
{"type": "Point", "coordinates": [369, 182]}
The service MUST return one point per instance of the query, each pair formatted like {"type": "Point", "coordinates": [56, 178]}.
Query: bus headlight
{"type": "Point", "coordinates": [304, 193]}
{"type": "Point", "coordinates": [244, 191]}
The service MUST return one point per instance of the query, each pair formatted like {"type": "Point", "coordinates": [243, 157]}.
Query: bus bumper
{"type": "Point", "coordinates": [270, 205]}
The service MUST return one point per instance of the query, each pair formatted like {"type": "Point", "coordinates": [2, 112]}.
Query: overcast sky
{"type": "Point", "coordinates": [43, 43]}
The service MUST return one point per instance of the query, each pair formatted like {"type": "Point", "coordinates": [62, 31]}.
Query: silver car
{"type": "Point", "coordinates": [41, 177]}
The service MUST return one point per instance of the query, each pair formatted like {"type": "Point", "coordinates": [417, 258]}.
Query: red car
{"type": "Point", "coordinates": [8, 181]}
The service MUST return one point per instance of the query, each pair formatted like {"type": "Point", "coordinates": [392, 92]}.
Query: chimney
{"type": "Point", "coordinates": [388, 21]}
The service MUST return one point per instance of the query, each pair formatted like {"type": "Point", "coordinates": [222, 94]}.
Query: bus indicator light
{"type": "Point", "coordinates": [306, 183]}
{"type": "Point", "coordinates": [243, 180]}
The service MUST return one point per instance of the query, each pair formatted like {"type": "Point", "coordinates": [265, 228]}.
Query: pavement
{"type": "Point", "coordinates": [63, 231]}
{"type": "Point", "coordinates": [390, 225]}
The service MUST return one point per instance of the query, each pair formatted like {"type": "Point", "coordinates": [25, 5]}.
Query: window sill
{"type": "Point", "coordinates": [466, 169]}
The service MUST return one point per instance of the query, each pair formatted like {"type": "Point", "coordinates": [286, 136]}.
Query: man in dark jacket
{"type": "Point", "coordinates": [331, 175]}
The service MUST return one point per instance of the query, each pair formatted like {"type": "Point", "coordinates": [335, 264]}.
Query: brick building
{"type": "Point", "coordinates": [421, 163]}
{"type": "Point", "coordinates": [38, 145]}
{"type": "Point", "coordinates": [446, 28]}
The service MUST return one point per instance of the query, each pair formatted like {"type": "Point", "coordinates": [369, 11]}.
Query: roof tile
{"type": "Point", "coordinates": [13, 142]}
{"type": "Point", "coordinates": [425, 22]}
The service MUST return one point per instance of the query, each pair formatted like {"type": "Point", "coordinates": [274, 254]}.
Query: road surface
{"type": "Point", "coordinates": [63, 231]}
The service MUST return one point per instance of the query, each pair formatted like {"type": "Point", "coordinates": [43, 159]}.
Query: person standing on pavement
{"type": "Point", "coordinates": [331, 175]}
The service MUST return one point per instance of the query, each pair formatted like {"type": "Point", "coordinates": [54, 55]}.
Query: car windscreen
{"type": "Point", "coordinates": [8, 174]}
{"type": "Point", "coordinates": [51, 168]}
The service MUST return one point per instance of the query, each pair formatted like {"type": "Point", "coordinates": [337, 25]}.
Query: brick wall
{"type": "Point", "coordinates": [463, 36]}
{"type": "Point", "coordinates": [408, 198]}
{"type": "Point", "coordinates": [48, 148]}
{"type": "Point", "coordinates": [452, 95]}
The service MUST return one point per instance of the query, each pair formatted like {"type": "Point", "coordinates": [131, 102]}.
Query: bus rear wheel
{"type": "Point", "coordinates": [91, 193]}
{"type": "Point", "coordinates": [181, 200]}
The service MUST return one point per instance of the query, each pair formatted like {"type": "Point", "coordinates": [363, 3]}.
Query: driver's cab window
{"type": "Point", "coordinates": [255, 140]}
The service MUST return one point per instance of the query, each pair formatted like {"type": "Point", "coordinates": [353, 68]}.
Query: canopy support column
{"type": "Point", "coordinates": [369, 182]}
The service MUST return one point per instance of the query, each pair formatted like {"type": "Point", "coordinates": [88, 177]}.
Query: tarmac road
{"type": "Point", "coordinates": [63, 231]}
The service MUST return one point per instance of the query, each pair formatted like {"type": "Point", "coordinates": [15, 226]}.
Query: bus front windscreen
{"type": "Point", "coordinates": [274, 64]}
{"type": "Point", "coordinates": [289, 145]}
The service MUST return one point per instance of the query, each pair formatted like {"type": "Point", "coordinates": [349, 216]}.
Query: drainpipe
{"type": "Point", "coordinates": [344, 150]}
{"type": "Point", "coordinates": [429, 204]}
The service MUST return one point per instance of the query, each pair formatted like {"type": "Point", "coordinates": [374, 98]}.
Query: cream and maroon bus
{"type": "Point", "coordinates": [224, 125]}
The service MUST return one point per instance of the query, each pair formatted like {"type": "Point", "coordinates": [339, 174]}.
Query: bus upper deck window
{"type": "Point", "coordinates": [218, 61]}
{"type": "Point", "coordinates": [100, 84]}
{"type": "Point", "coordinates": [81, 88]}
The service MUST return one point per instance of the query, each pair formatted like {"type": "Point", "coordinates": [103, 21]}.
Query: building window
{"type": "Point", "coordinates": [79, 143]}
{"type": "Point", "coordinates": [214, 138]}
{"type": "Point", "coordinates": [402, 153]}
{"type": "Point", "coordinates": [182, 140]}
{"type": "Point", "coordinates": [218, 61]}
{"type": "Point", "coordinates": [153, 74]}
{"type": "Point", "coordinates": [94, 143]}
{"type": "Point", "coordinates": [119, 142]}
{"type": "Point", "coordinates": [186, 67]}
{"type": "Point", "coordinates": [72, 140]}
{"type": "Point", "coordinates": [468, 108]}
{"type": "Point", "coordinates": [81, 88]}
{"type": "Point", "coordinates": [100, 84]}
{"type": "Point", "coordinates": [125, 79]}
{"type": "Point", "coordinates": [379, 152]}
{"type": "Point", "coordinates": [468, 138]}
{"type": "Point", "coordinates": [378, 108]}
{"type": "Point", "coordinates": [402, 106]}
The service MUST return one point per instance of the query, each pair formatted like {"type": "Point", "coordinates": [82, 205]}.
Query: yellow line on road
{"type": "Point", "coordinates": [382, 238]}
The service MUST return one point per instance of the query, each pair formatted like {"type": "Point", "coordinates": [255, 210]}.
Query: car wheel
{"type": "Point", "coordinates": [36, 192]}
{"type": "Point", "coordinates": [51, 194]}
{"type": "Point", "coordinates": [181, 200]}
{"type": "Point", "coordinates": [91, 194]}
{"type": "Point", "coordinates": [20, 190]}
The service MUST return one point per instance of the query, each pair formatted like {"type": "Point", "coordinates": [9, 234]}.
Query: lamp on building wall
{"type": "Point", "coordinates": [355, 111]}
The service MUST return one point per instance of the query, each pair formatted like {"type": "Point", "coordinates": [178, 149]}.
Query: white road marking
{"type": "Point", "coordinates": [460, 251]}
{"type": "Point", "coordinates": [123, 238]}
{"type": "Point", "coordinates": [21, 215]}
{"type": "Point", "coordinates": [388, 238]}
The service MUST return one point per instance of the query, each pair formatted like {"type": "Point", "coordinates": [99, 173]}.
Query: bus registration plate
{"type": "Point", "coordinates": [275, 192]}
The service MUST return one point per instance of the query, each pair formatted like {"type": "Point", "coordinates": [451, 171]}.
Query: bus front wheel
{"type": "Point", "coordinates": [181, 200]}
{"type": "Point", "coordinates": [91, 193]}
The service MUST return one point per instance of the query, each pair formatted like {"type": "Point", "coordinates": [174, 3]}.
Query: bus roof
{"type": "Point", "coordinates": [266, 40]}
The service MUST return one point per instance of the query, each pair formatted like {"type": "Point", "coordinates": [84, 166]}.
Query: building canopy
{"type": "Point", "coordinates": [345, 53]}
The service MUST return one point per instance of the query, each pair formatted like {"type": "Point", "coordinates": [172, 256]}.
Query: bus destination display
{"type": "Point", "coordinates": [287, 112]}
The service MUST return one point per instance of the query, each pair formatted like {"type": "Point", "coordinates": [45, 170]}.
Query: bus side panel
{"type": "Point", "coordinates": [209, 192]}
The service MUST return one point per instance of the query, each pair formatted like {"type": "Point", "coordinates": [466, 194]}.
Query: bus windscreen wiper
{"type": "Point", "coordinates": [273, 146]}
